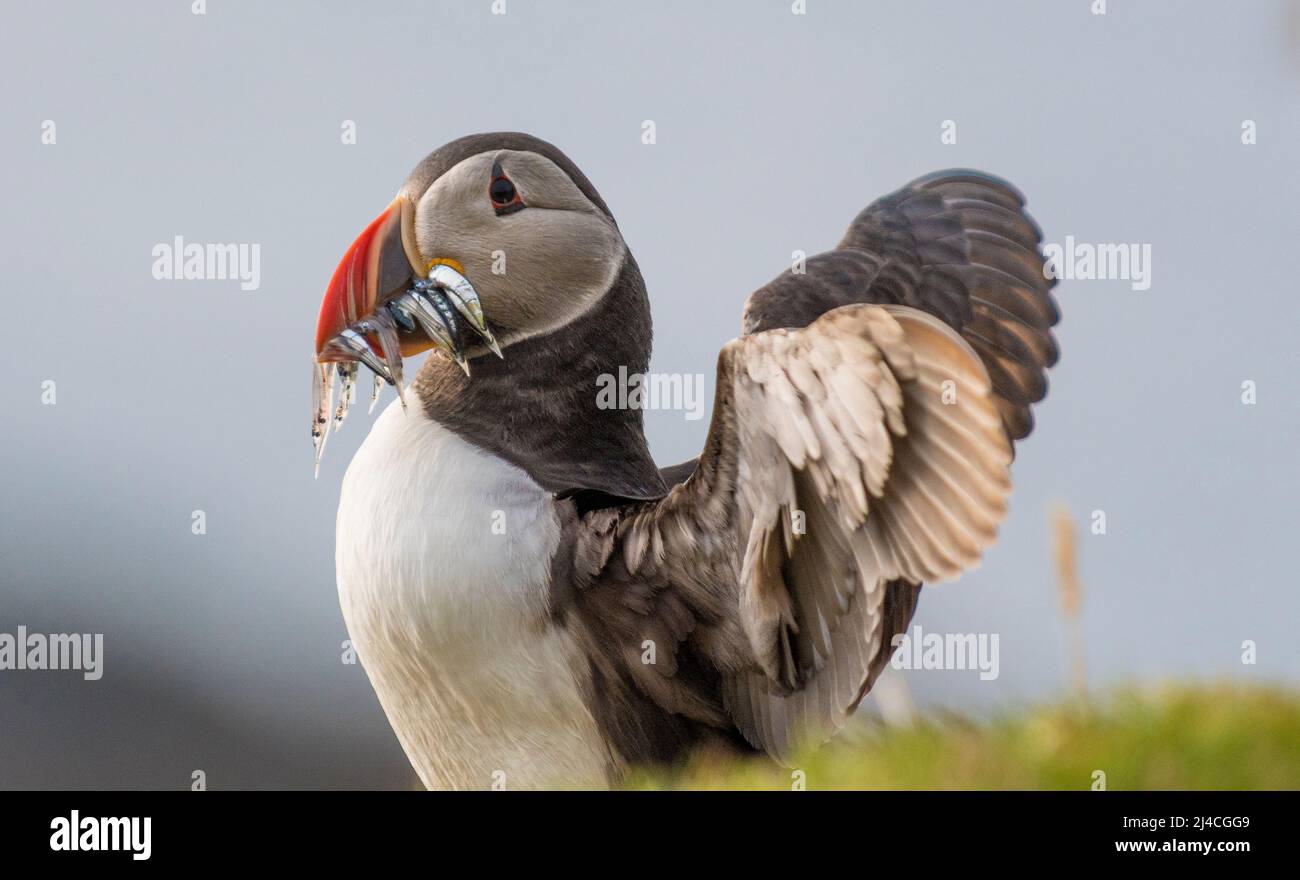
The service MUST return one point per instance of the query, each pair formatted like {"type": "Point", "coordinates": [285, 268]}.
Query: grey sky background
{"type": "Point", "coordinates": [773, 130]}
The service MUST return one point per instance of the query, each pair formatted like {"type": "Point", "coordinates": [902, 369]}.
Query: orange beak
{"type": "Point", "coordinates": [380, 264]}
{"type": "Point", "coordinates": [384, 303]}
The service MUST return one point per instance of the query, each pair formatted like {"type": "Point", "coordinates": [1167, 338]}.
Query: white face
{"type": "Point", "coordinates": [535, 267]}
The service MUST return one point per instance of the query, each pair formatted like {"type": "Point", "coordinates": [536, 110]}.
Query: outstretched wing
{"type": "Point", "coordinates": [957, 244]}
{"type": "Point", "coordinates": [892, 459]}
{"type": "Point", "coordinates": [856, 450]}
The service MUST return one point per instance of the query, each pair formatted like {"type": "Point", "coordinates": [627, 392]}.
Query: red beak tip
{"type": "Point", "coordinates": [352, 290]}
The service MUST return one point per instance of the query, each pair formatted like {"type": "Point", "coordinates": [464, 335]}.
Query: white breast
{"type": "Point", "coordinates": [443, 555]}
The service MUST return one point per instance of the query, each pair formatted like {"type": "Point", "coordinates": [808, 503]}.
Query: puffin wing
{"type": "Point", "coordinates": [861, 450]}
{"type": "Point", "coordinates": [957, 244]}
{"type": "Point", "coordinates": [860, 445]}
{"type": "Point", "coordinates": [868, 450]}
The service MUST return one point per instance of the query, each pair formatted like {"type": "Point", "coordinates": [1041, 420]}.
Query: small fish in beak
{"type": "Point", "coordinates": [457, 289]}
{"type": "Point", "coordinates": [382, 305]}
{"type": "Point", "coordinates": [322, 389]}
{"type": "Point", "coordinates": [347, 392]}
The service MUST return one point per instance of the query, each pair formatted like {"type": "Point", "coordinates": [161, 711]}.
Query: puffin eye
{"type": "Point", "coordinates": [502, 192]}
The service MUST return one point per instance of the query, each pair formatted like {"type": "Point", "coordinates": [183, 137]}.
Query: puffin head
{"type": "Point", "coordinates": [500, 255]}
{"type": "Point", "coordinates": [491, 240]}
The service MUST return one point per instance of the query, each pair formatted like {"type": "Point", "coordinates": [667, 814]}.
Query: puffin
{"type": "Point", "coordinates": [536, 603]}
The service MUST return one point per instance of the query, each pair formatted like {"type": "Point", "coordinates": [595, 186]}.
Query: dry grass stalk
{"type": "Point", "coordinates": [1064, 551]}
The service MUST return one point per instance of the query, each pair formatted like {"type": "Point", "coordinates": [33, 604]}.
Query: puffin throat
{"type": "Point", "coordinates": [539, 409]}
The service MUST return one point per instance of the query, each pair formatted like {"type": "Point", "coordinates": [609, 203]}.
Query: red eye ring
{"type": "Point", "coordinates": [503, 193]}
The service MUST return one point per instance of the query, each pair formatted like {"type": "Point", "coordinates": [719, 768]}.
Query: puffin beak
{"type": "Point", "coordinates": [383, 303]}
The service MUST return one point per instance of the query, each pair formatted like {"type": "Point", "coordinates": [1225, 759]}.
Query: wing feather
{"type": "Point", "coordinates": [860, 445]}
{"type": "Point", "coordinates": [813, 612]}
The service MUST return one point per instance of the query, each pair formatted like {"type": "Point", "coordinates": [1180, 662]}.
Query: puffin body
{"type": "Point", "coordinates": [451, 620]}
{"type": "Point", "coordinates": [535, 602]}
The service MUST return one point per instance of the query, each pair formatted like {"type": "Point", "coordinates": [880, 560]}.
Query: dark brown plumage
{"type": "Point", "coordinates": [957, 244]}
{"type": "Point", "coordinates": [539, 409]}
{"type": "Point", "coordinates": [668, 572]}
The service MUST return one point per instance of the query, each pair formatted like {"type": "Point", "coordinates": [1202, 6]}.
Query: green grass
{"type": "Point", "coordinates": [1174, 737]}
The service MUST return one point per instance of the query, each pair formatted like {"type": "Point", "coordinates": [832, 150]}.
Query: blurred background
{"type": "Point", "coordinates": [223, 649]}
